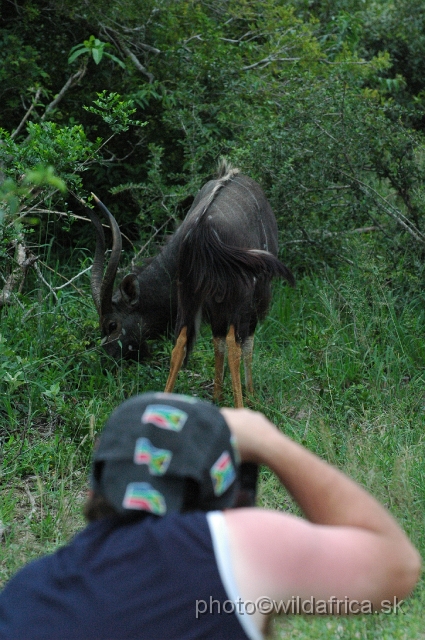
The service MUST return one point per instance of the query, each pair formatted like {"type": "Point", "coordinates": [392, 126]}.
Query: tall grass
{"type": "Point", "coordinates": [338, 365]}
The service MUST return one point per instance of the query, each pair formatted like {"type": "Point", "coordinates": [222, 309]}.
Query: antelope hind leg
{"type": "Point", "coordinates": [219, 353]}
{"type": "Point", "coordinates": [247, 351]}
{"type": "Point", "coordinates": [234, 356]}
{"type": "Point", "coordinates": [177, 357]}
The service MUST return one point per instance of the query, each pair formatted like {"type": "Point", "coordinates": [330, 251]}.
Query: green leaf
{"type": "Point", "coordinates": [97, 49]}
{"type": "Point", "coordinates": [80, 50]}
{"type": "Point", "coordinates": [115, 59]}
{"type": "Point", "coordinates": [91, 42]}
{"type": "Point", "coordinates": [97, 53]}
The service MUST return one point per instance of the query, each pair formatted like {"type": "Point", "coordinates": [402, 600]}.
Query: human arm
{"type": "Point", "coordinates": [349, 547]}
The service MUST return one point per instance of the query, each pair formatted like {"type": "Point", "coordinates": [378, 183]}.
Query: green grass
{"type": "Point", "coordinates": [339, 365]}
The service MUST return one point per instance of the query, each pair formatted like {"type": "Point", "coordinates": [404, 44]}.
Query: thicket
{"type": "Point", "coordinates": [138, 100]}
{"type": "Point", "coordinates": [135, 100]}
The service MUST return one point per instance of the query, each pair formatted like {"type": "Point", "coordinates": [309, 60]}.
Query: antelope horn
{"type": "Point", "coordinates": [99, 259]}
{"type": "Point", "coordinates": [107, 284]}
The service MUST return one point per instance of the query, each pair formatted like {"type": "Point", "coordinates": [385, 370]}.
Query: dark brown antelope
{"type": "Point", "coordinates": [218, 266]}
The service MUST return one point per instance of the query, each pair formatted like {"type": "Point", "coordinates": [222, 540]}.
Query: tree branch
{"type": "Point", "coordinates": [25, 259]}
{"type": "Point", "coordinates": [137, 63]}
{"type": "Point", "coordinates": [330, 234]}
{"type": "Point", "coordinates": [76, 77]}
{"type": "Point", "coordinates": [27, 115]}
{"type": "Point", "coordinates": [135, 60]}
{"type": "Point", "coordinates": [62, 286]}
{"type": "Point", "coordinates": [396, 214]}
{"type": "Point", "coordinates": [266, 61]}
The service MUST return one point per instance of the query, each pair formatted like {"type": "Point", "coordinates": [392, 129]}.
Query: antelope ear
{"type": "Point", "coordinates": [130, 289]}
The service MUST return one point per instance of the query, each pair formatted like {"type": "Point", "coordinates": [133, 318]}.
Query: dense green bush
{"type": "Point", "coordinates": [286, 97]}
{"type": "Point", "coordinates": [136, 100]}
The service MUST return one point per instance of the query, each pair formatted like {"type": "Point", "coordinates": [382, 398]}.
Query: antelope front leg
{"type": "Point", "coordinates": [177, 357]}
{"type": "Point", "coordinates": [219, 352]}
{"type": "Point", "coordinates": [234, 357]}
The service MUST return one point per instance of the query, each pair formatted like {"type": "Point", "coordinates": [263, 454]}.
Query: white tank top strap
{"type": "Point", "coordinates": [218, 530]}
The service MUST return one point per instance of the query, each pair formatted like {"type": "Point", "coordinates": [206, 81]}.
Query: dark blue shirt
{"type": "Point", "coordinates": [115, 581]}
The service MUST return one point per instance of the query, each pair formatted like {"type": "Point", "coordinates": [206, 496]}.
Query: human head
{"type": "Point", "coordinates": [155, 447]}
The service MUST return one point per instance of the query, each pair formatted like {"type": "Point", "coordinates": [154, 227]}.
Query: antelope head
{"type": "Point", "coordinates": [120, 318]}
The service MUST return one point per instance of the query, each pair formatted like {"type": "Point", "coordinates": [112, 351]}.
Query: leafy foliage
{"type": "Point", "coordinates": [96, 49]}
{"type": "Point", "coordinates": [135, 100]}
{"type": "Point", "coordinates": [115, 111]}
{"type": "Point", "coordinates": [282, 91]}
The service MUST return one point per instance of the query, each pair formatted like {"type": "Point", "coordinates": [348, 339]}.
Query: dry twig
{"type": "Point", "coordinates": [27, 115]}
{"type": "Point", "coordinates": [74, 79]}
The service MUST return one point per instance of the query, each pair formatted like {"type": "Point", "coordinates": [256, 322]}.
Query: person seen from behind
{"type": "Point", "coordinates": [168, 553]}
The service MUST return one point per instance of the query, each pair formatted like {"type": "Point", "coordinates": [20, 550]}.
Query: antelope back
{"type": "Point", "coordinates": [238, 210]}
{"type": "Point", "coordinates": [228, 256]}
